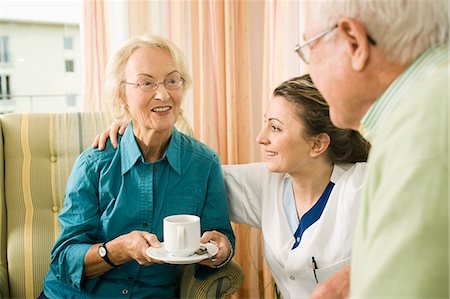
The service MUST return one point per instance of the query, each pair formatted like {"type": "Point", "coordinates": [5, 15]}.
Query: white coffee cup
{"type": "Point", "coordinates": [181, 234]}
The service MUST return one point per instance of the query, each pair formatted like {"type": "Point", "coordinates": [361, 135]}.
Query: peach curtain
{"type": "Point", "coordinates": [238, 51]}
{"type": "Point", "coordinates": [95, 53]}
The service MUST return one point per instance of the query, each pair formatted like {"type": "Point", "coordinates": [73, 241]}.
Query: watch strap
{"type": "Point", "coordinates": [106, 258]}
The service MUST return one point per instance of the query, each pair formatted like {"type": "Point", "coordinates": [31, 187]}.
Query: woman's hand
{"type": "Point", "coordinates": [222, 242]}
{"type": "Point", "coordinates": [131, 246]}
{"type": "Point", "coordinates": [114, 129]}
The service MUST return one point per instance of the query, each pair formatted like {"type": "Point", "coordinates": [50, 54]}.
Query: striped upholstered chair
{"type": "Point", "coordinates": [38, 152]}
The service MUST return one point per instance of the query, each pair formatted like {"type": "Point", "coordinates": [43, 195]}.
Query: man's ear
{"type": "Point", "coordinates": [355, 36]}
{"type": "Point", "coordinates": [320, 144]}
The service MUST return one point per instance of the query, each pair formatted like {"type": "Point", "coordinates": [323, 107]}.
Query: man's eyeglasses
{"type": "Point", "coordinates": [151, 85]}
{"type": "Point", "coordinates": [304, 51]}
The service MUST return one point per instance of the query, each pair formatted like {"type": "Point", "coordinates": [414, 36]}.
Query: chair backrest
{"type": "Point", "coordinates": [38, 154]}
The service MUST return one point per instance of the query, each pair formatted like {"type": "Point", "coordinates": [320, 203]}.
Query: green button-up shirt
{"type": "Point", "coordinates": [112, 192]}
{"type": "Point", "coordinates": [402, 238]}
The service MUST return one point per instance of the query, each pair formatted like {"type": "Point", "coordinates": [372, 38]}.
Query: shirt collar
{"type": "Point", "coordinates": [420, 69]}
{"type": "Point", "coordinates": [130, 152]}
{"type": "Point", "coordinates": [173, 152]}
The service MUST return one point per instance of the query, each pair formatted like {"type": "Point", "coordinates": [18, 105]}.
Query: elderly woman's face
{"type": "Point", "coordinates": [156, 109]}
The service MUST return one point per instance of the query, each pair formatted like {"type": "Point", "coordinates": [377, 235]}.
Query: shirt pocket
{"type": "Point", "coordinates": [325, 272]}
{"type": "Point", "coordinates": [181, 204]}
{"type": "Point", "coordinates": [187, 200]}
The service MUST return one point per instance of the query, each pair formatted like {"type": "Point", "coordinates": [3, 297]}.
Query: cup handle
{"type": "Point", "coordinates": [180, 237]}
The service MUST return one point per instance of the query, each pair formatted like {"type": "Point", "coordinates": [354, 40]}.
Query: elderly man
{"type": "Point", "coordinates": [383, 67]}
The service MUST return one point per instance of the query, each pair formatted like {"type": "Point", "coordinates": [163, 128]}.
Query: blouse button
{"type": "Point", "coordinates": [291, 277]}
{"type": "Point", "coordinates": [55, 209]}
{"type": "Point", "coordinates": [124, 291]}
{"type": "Point", "coordinates": [145, 224]}
{"type": "Point", "coordinates": [53, 158]}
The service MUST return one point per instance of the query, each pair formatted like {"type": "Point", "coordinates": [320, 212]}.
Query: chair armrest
{"type": "Point", "coordinates": [219, 284]}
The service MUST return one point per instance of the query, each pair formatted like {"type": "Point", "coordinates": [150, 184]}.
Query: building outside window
{"type": "Point", "coordinates": [68, 43]}
{"type": "Point", "coordinates": [71, 100]}
{"type": "Point", "coordinates": [4, 49]}
{"type": "Point", "coordinates": [69, 66]}
{"type": "Point", "coordinates": [40, 56]}
{"type": "Point", "coordinates": [5, 89]}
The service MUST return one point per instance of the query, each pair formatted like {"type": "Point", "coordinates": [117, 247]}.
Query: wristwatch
{"type": "Point", "coordinates": [103, 253]}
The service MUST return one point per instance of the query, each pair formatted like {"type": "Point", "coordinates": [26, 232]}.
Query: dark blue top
{"type": "Point", "coordinates": [112, 192]}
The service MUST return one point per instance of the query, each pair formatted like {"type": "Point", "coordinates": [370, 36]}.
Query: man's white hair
{"type": "Point", "coordinates": [403, 29]}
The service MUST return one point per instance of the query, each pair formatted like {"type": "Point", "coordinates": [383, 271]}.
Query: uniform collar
{"type": "Point", "coordinates": [338, 171]}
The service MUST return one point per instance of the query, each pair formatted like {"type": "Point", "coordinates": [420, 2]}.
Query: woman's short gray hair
{"type": "Point", "coordinates": [115, 70]}
{"type": "Point", "coordinates": [403, 29]}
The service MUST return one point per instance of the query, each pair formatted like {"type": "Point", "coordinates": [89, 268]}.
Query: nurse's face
{"type": "Point", "coordinates": [282, 136]}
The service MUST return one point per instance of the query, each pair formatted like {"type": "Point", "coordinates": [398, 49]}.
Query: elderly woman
{"type": "Point", "coordinates": [306, 197]}
{"type": "Point", "coordinates": [116, 199]}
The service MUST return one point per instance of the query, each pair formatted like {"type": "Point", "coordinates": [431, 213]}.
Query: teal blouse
{"type": "Point", "coordinates": [112, 192]}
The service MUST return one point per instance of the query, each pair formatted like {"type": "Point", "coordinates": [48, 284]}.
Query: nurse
{"type": "Point", "coordinates": [306, 197]}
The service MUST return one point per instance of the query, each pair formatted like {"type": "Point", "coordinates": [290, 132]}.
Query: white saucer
{"type": "Point", "coordinates": [162, 255]}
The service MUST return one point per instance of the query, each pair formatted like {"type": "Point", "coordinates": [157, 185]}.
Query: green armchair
{"type": "Point", "coordinates": [38, 152]}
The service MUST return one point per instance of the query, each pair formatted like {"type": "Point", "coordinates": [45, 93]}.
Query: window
{"type": "Point", "coordinates": [68, 43]}
{"type": "Point", "coordinates": [71, 100]}
{"type": "Point", "coordinates": [4, 49]}
{"type": "Point", "coordinates": [5, 89]}
{"type": "Point", "coordinates": [39, 80]}
{"type": "Point", "coordinates": [69, 66]}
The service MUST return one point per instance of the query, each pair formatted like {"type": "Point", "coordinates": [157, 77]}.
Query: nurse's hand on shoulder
{"type": "Point", "coordinates": [133, 246]}
{"type": "Point", "coordinates": [221, 241]}
{"type": "Point", "coordinates": [336, 286]}
{"type": "Point", "coordinates": [112, 132]}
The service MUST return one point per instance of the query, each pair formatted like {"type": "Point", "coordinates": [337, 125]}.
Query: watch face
{"type": "Point", "coordinates": [102, 251]}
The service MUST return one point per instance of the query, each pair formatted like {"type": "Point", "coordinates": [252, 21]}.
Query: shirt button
{"type": "Point", "coordinates": [55, 209]}
{"type": "Point", "coordinates": [298, 239]}
{"type": "Point", "coordinates": [156, 168]}
{"type": "Point", "coordinates": [291, 277]}
{"type": "Point", "coordinates": [124, 291]}
{"type": "Point", "coordinates": [145, 224]}
{"type": "Point", "coordinates": [53, 158]}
